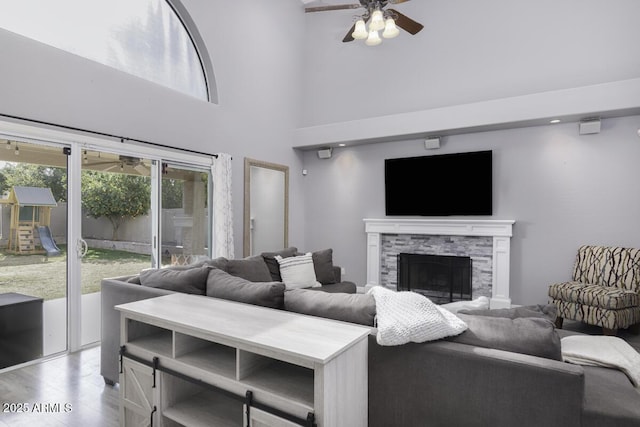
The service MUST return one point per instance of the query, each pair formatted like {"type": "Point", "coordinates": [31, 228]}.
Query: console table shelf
{"type": "Point", "coordinates": [190, 361]}
{"type": "Point", "coordinates": [205, 409]}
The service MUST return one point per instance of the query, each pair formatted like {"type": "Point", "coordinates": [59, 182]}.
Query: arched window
{"type": "Point", "coordinates": [145, 38]}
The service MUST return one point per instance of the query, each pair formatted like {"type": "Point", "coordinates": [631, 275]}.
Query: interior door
{"type": "Point", "coordinates": [33, 250]}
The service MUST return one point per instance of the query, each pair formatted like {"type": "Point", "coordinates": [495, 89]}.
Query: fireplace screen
{"type": "Point", "coordinates": [441, 278]}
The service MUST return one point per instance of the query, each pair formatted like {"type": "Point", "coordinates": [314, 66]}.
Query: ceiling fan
{"type": "Point", "coordinates": [378, 19]}
{"type": "Point", "coordinates": [122, 161]}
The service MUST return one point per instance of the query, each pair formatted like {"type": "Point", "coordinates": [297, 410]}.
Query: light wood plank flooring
{"type": "Point", "coordinates": [65, 391]}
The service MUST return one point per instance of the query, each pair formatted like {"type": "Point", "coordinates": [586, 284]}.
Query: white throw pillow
{"type": "Point", "coordinates": [480, 303]}
{"type": "Point", "coordinates": [297, 271]}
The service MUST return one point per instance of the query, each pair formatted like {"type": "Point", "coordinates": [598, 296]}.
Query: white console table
{"type": "Point", "coordinates": [190, 360]}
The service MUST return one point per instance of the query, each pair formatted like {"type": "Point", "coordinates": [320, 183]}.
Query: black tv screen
{"type": "Point", "coordinates": [441, 185]}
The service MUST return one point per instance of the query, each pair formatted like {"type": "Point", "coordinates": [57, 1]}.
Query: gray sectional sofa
{"type": "Point", "coordinates": [503, 371]}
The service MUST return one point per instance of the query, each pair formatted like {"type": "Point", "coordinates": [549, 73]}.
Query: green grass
{"type": "Point", "coordinates": [46, 277]}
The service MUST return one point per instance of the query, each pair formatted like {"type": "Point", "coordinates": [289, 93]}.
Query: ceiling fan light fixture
{"type": "Point", "coordinates": [377, 20]}
{"type": "Point", "coordinates": [373, 39]}
{"type": "Point", "coordinates": [390, 29]}
{"type": "Point", "coordinates": [360, 32]}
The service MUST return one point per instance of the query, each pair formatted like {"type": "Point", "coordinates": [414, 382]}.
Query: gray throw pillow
{"type": "Point", "coordinates": [323, 266]}
{"type": "Point", "coordinates": [272, 264]}
{"type": "Point", "coordinates": [536, 336]}
{"type": "Point", "coordinates": [547, 311]}
{"type": "Point", "coordinates": [354, 308]}
{"type": "Point", "coordinates": [220, 262]}
{"type": "Point", "coordinates": [135, 280]}
{"type": "Point", "coordinates": [188, 281]}
{"type": "Point", "coordinates": [225, 286]}
{"type": "Point", "coordinates": [251, 268]}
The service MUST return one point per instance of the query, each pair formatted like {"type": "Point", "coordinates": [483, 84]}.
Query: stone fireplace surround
{"type": "Point", "coordinates": [499, 230]}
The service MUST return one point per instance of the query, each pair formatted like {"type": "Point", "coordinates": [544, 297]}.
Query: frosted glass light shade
{"type": "Point", "coordinates": [377, 20]}
{"type": "Point", "coordinates": [360, 32]}
{"type": "Point", "coordinates": [373, 39]}
{"type": "Point", "coordinates": [390, 29]}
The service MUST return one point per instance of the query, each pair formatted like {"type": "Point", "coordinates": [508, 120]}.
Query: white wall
{"type": "Point", "coordinates": [258, 83]}
{"type": "Point", "coordinates": [469, 51]}
{"type": "Point", "coordinates": [562, 189]}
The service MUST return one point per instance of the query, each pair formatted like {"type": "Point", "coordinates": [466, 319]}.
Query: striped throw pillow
{"type": "Point", "coordinates": [298, 272]}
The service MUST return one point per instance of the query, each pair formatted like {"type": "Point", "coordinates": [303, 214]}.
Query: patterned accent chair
{"type": "Point", "coordinates": [605, 290]}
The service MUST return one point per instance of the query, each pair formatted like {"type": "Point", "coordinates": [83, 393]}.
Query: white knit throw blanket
{"type": "Point", "coordinates": [602, 350]}
{"type": "Point", "coordinates": [408, 316]}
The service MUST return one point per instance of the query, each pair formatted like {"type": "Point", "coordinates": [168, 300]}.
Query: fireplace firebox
{"type": "Point", "coordinates": [441, 278]}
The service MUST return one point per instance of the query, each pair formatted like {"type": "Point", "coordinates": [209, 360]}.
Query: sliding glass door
{"type": "Point", "coordinates": [185, 218]}
{"type": "Point", "coordinates": [33, 250]}
{"type": "Point", "coordinates": [116, 227]}
{"type": "Point", "coordinates": [75, 210]}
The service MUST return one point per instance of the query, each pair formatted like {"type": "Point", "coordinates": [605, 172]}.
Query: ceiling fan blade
{"type": "Point", "coordinates": [397, 1]}
{"type": "Point", "coordinates": [142, 169]}
{"type": "Point", "coordinates": [331, 7]}
{"type": "Point", "coordinates": [348, 37]}
{"type": "Point", "coordinates": [406, 23]}
{"type": "Point", "coordinates": [111, 162]}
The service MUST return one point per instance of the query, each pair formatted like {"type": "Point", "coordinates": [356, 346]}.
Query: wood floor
{"type": "Point", "coordinates": [65, 391]}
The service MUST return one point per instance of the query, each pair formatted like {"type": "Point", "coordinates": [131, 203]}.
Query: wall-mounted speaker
{"type": "Point", "coordinates": [588, 126]}
{"type": "Point", "coordinates": [432, 143]}
{"type": "Point", "coordinates": [324, 153]}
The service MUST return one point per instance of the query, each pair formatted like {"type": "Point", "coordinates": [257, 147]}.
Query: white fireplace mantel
{"type": "Point", "coordinates": [500, 230]}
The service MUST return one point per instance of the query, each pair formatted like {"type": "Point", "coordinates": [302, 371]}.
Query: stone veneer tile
{"type": "Point", "coordinates": [479, 248]}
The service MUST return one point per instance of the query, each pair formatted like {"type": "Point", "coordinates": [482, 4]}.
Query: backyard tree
{"type": "Point", "coordinates": [28, 175]}
{"type": "Point", "coordinates": [172, 193]}
{"type": "Point", "coordinates": [115, 196]}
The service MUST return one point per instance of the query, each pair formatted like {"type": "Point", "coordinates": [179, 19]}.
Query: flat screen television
{"type": "Point", "coordinates": [441, 185]}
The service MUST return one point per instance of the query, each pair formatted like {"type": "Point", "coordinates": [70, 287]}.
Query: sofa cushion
{"type": "Point", "coordinates": [252, 268]}
{"type": "Point", "coordinates": [354, 308]}
{"type": "Point", "coordinates": [547, 311]}
{"type": "Point", "coordinates": [298, 271]}
{"type": "Point", "coordinates": [221, 284]}
{"type": "Point", "coordinates": [610, 400]}
{"type": "Point", "coordinates": [323, 266]}
{"type": "Point", "coordinates": [345, 287]}
{"type": "Point", "coordinates": [189, 281]}
{"type": "Point", "coordinates": [272, 264]}
{"type": "Point", "coordinates": [536, 336]}
{"type": "Point", "coordinates": [611, 298]}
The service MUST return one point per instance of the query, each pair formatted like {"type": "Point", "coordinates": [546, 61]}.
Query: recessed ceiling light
{"type": "Point", "coordinates": [554, 121]}
{"type": "Point", "coordinates": [342, 145]}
